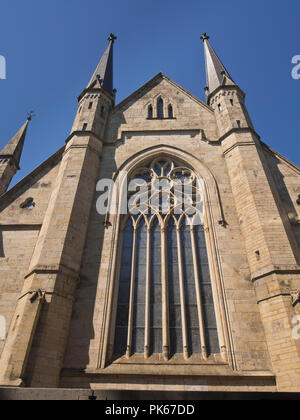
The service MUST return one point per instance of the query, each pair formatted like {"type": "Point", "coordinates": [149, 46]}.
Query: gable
{"type": "Point", "coordinates": [189, 113]}
{"type": "Point", "coordinates": [15, 208]}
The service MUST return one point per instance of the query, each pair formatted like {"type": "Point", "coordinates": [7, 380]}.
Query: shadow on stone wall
{"type": "Point", "coordinates": [274, 165]}
{"type": "Point", "coordinates": [2, 255]}
{"type": "Point", "coordinates": [83, 318]}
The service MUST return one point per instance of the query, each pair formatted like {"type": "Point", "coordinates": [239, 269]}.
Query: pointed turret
{"type": "Point", "coordinates": [98, 98]}
{"type": "Point", "coordinates": [13, 149]}
{"type": "Point", "coordinates": [10, 157]}
{"type": "Point", "coordinates": [216, 73]}
{"type": "Point", "coordinates": [225, 97]}
{"type": "Point", "coordinates": [103, 75]}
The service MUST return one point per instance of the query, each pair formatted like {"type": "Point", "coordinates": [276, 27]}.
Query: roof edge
{"type": "Point", "coordinates": [157, 77]}
{"type": "Point", "coordinates": [281, 157]}
{"type": "Point", "coordinates": [34, 173]}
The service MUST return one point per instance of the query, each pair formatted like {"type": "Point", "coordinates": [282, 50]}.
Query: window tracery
{"type": "Point", "coordinates": [165, 301]}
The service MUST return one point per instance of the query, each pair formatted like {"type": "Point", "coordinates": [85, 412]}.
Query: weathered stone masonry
{"type": "Point", "coordinates": [59, 259]}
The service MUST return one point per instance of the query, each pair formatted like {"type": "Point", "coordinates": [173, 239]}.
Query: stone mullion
{"type": "Point", "coordinates": [199, 297]}
{"type": "Point", "coordinates": [165, 296]}
{"type": "Point", "coordinates": [131, 301]}
{"type": "Point", "coordinates": [148, 296]}
{"type": "Point", "coordinates": [182, 298]}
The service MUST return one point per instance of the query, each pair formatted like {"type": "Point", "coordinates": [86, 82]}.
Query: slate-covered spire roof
{"type": "Point", "coordinates": [103, 74]}
{"type": "Point", "coordinates": [14, 147]}
{"type": "Point", "coordinates": [216, 73]}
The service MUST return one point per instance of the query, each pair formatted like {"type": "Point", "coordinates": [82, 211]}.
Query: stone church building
{"type": "Point", "coordinates": [152, 302]}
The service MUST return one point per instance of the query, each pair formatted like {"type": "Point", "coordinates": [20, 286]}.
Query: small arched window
{"type": "Point", "coordinates": [170, 112]}
{"type": "Point", "coordinates": [150, 112]}
{"type": "Point", "coordinates": [160, 108]}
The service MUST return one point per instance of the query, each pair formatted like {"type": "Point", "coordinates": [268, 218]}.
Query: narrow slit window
{"type": "Point", "coordinates": [84, 127]}
{"type": "Point", "coordinates": [90, 105]}
{"type": "Point", "coordinates": [150, 112]}
{"type": "Point", "coordinates": [170, 112]}
{"type": "Point", "coordinates": [160, 108]}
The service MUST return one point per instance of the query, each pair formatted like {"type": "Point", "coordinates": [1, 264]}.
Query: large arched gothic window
{"type": "Point", "coordinates": [165, 299]}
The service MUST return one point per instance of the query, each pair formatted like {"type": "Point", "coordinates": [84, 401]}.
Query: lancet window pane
{"type": "Point", "coordinates": [175, 321]}
{"type": "Point", "coordinates": [190, 290]}
{"type": "Point", "coordinates": [210, 322]}
{"type": "Point", "coordinates": [160, 108]}
{"type": "Point", "coordinates": [138, 326]}
{"type": "Point", "coordinates": [124, 291]}
{"type": "Point", "coordinates": [156, 290]}
{"type": "Point", "coordinates": [150, 112]}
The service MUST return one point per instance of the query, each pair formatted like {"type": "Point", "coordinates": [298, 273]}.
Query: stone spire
{"type": "Point", "coordinates": [216, 73]}
{"type": "Point", "coordinates": [103, 75]}
{"type": "Point", "coordinates": [10, 156]}
{"type": "Point", "coordinates": [13, 149]}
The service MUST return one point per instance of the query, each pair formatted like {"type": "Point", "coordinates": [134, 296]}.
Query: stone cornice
{"type": "Point", "coordinates": [131, 131]}
{"type": "Point", "coordinates": [270, 270]}
{"type": "Point", "coordinates": [81, 133]}
{"type": "Point", "coordinates": [95, 91]}
{"type": "Point", "coordinates": [239, 131]}
{"type": "Point", "coordinates": [238, 144]}
{"type": "Point", "coordinates": [30, 226]}
{"type": "Point", "coordinates": [54, 269]}
{"type": "Point", "coordinates": [225, 87]}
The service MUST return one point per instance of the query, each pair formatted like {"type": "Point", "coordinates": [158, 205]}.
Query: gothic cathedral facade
{"type": "Point", "coordinates": [150, 301]}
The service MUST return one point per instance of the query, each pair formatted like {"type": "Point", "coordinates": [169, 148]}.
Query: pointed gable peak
{"type": "Point", "coordinates": [159, 77]}
{"type": "Point", "coordinates": [14, 147]}
{"type": "Point", "coordinates": [216, 73]}
{"type": "Point", "coordinates": [103, 75]}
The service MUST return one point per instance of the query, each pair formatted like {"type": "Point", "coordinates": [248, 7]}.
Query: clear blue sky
{"type": "Point", "coordinates": [52, 48]}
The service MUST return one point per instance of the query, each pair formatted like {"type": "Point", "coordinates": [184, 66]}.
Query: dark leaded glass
{"type": "Point", "coordinates": [138, 326]}
{"type": "Point", "coordinates": [124, 291]}
{"type": "Point", "coordinates": [150, 112]}
{"type": "Point", "coordinates": [156, 290]}
{"type": "Point", "coordinates": [192, 316]}
{"type": "Point", "coordinates": [190, 261]}
{"type": "Point", "coordinates": [175, 320]}
{"type": "Point", "coordinates": [209, 315]}
{"type": "Point", "coordinates": [160, 108]}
